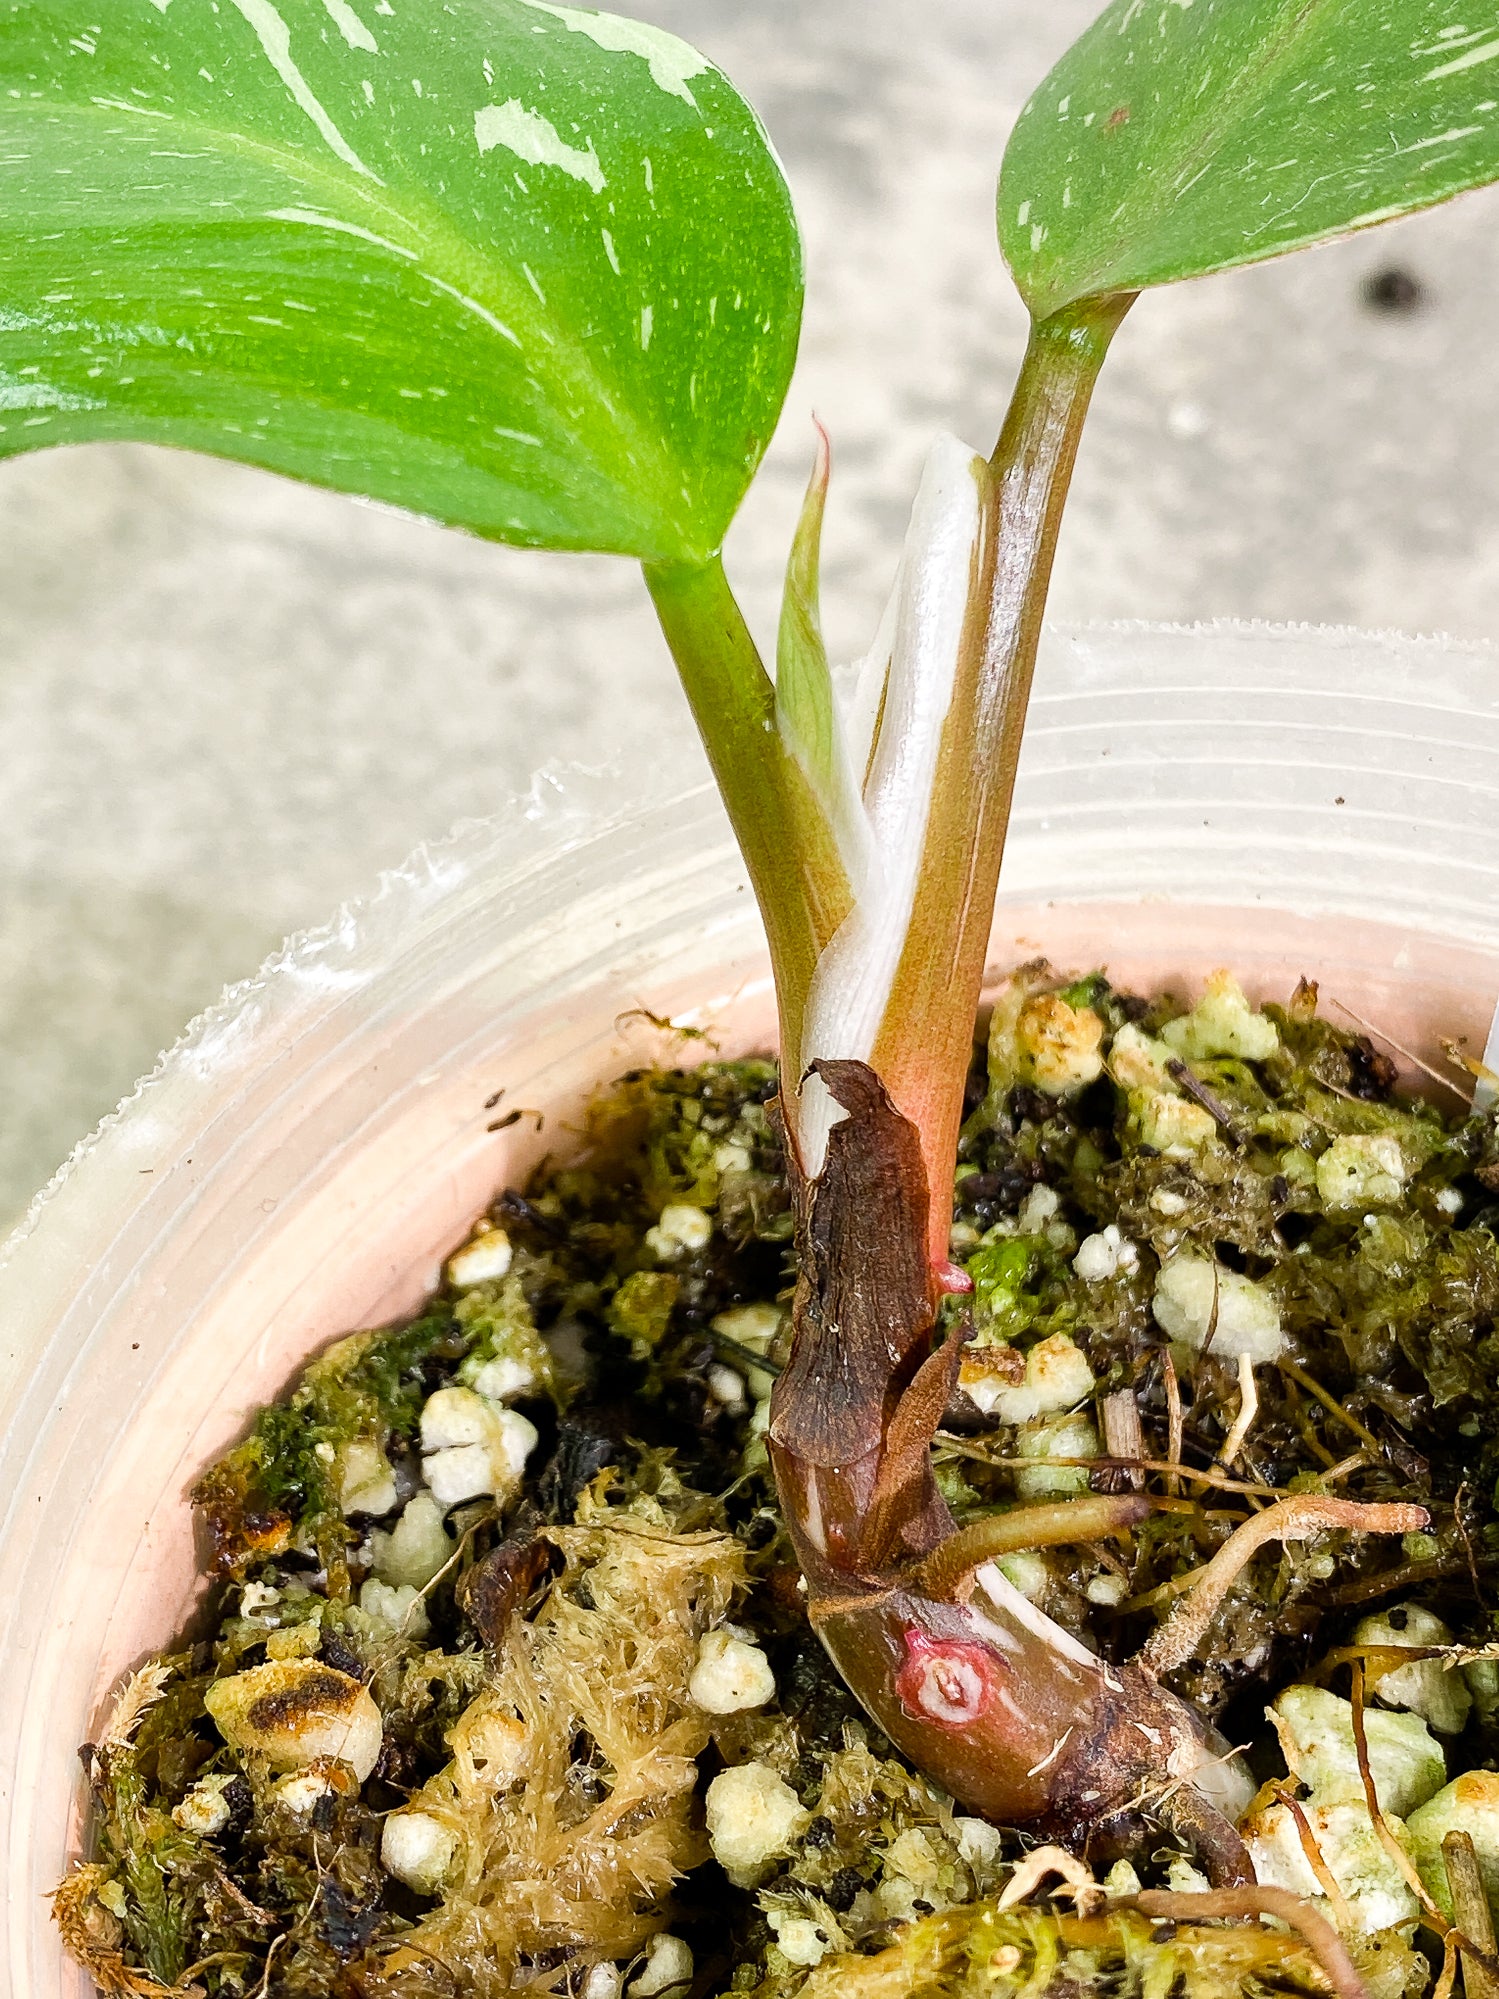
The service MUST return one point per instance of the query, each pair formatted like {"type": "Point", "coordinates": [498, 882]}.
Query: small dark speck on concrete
{"type": "Point", "coordinates": [1394, 291]}
{"type": "Point", "coordinates": [1340, 801]}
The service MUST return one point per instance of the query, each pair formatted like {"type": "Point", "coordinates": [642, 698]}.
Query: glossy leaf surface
{"type": "Point", "coordinates": [525, 269]}
{"type": "Point", "coordinates": [1179, 137]}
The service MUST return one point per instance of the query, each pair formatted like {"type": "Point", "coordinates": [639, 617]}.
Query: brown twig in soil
{"type": "Point", "coordinates": [1166, 1592]}
{"type": "Point", "coordinates": [1234, 1904]}
{"type": "Point", "coordinates": [746, 1356]}
{"type": "Point", "coordinates": [1475, 1944]}
{"type": "Point", "coordinates": [1346, 1467]}
{"type": "Point", "coordinates": [1123, 1435]}
{"type": "Point", "coordinates": [1212, 1332]}
{"type": "Point", "coordinates": [1469, 1064]}
{"type": "Point", "coordinates": [1337, 1090]}
{"type": "Point", "coordinates": [1447, 1978]}
{"type": "Point", "coordinates": [1199, 1092]}
{"type": "Point", "coordinates": [242, 1902]}
{"type": "Point", "coordinates": [1410, 1575]}
{"type": "Point", "coordinates": [1174, 1642]}
{"type": "Point", "coordinates": [1378, 1660]}
{"type": "Point", "coordinates": [1459, 1521]}
{"type": "Point", "coordinates": [270, 1958]}
{"type": "Point", "coordinates": [1326, 1880]}
{"type": "Point", "coordinates": [968, 1447]}
{"type": "Point", "coordinates": [1306, 1428]}
{"type": "Point", "coordinates": [1470, 1905]}
{"type": "Point", "coordinates": [1382, 1827]}
{"type": "Point", "coordinates": [1330, 1403]}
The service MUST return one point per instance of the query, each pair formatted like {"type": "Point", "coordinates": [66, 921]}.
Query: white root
{"type": "Point", "coordinates": [1040, 1866]}
{"type": "Point", "coordinates": [1249, 1408]}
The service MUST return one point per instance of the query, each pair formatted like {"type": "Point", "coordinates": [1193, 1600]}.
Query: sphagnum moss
{"type": "Point", "coordinates": [604, 1720]}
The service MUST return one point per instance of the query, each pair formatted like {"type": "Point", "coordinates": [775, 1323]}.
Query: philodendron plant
{"type": "Point", "coordinates": [533, 271]}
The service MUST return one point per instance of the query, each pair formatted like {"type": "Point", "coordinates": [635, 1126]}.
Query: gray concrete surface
{"type": "Point", "coordinates": [226, 702]}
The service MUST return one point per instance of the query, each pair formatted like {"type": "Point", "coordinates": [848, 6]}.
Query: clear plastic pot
{"type": "Point", "coordinates": [1285, 801]}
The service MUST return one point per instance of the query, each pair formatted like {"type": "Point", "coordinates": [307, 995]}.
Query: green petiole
{"type": "Point", "coordinates": [788, 845]}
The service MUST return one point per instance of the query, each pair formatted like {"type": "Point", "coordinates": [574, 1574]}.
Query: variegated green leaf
{"type": "Point", "coordinates": [1179, 137]}
{"type": "Point", "coordinates": [525, 268]}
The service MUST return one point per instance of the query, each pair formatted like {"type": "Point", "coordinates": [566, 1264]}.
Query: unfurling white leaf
{"type": "Point", "coordinates": [894, 725]}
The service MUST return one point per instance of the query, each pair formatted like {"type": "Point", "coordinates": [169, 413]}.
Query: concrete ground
{"type": "Point", "coordinates": [227, 702]}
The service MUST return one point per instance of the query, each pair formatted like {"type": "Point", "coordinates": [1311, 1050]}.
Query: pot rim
{"type": "Point", "coordinates": [568, 805]}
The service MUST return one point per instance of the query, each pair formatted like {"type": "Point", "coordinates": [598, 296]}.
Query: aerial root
{"type": "Point", "coordinates": [1236, 1903]}
{"type": "Point", "coordinates": [1295, 1519]}
{"type": "Point", "coordinates": [947, 1572]}
{"type": "Point", "coordinates": [1249, 1408]}
{"type": "Point", "coordinates": [1207, 1833]}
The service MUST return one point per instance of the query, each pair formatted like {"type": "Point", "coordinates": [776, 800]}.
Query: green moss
{"type": "Point", "coordinates": [496, 1323]}
{"type": "Point", "coordinates": [280, 1488]}
{"type": "Point", "coordinates": [642, 1309]}
{"type": "Point", "coordinates": [1390, 1307]}
{"type": "Point", "coordinates": [980, 1952]}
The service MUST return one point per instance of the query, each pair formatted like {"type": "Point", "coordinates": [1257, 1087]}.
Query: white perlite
{"type": "Point", "coordinates": [981, 1844]}
{"type": "Point", "coordinates": [753, 1816]}
{"type": "Point", "coordinates": [416, 1547]}
{"type": "Point", "coordinates": [1222, 1023]}
{"type": "Point", "coordinates": [417, 1849]}
{"type": "Point", "coordinates": [1316, 1738]}
{"type": "Point", "coordinates": [1058, 1045]}
{"type": "Point", "coordinates": [1363, 1170]}
{"type": "Point", "coordinates": [1375, 1889]}
{"type": "Point", "coordinates": [726, 1387]}
{"type": "Point", "coordinates": [303, 1793]}
{"type": "Point", "coordinates": [730, 1675]}
{"type": "Point", "coordinates": [680, 1230]}
{"type": "Point", "coordinates": [366, 1483]}
{"type": "Point", "coordinates": [483, 1261]}
{"type": "Point", "coordinates": [1104, 1255]}
{"type": "Point", "coordinates": [503, 1378]}
{"type": "Point", "coordinates": [1195, 1297]}
{"type": "Point", "coordinates": [1049, 1437]}
{"type": "Point", "coordinates": [798, 1938]}
{"type": "Point", "coordinates": [1055, 1377]}
{"type": "Point", "coordinates": [399, 1606]}
{"type": "Point", "coordinates": [475, 1447]}
{"type": "Point", "coordinates": [1427, 1687]}
{"type": "Point", "coordinates": [1469, 1804]}
{"type": "Point", "coordinates": [668, 1964]}
{"type": "Point", "coordinates": [298, 1711]}
{"type": "Point", "coordinates": [205, 1810]}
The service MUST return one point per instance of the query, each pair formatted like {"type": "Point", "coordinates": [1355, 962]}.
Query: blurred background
{"type": "Point", "coordinates": [227, 702]}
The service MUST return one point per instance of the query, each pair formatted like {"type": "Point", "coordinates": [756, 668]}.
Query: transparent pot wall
{"type": "Point", "coordinates": [1285, 801]}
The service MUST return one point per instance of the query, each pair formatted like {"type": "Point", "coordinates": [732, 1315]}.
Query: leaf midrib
{"type": "Point", "coordinates": [516, 307]}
